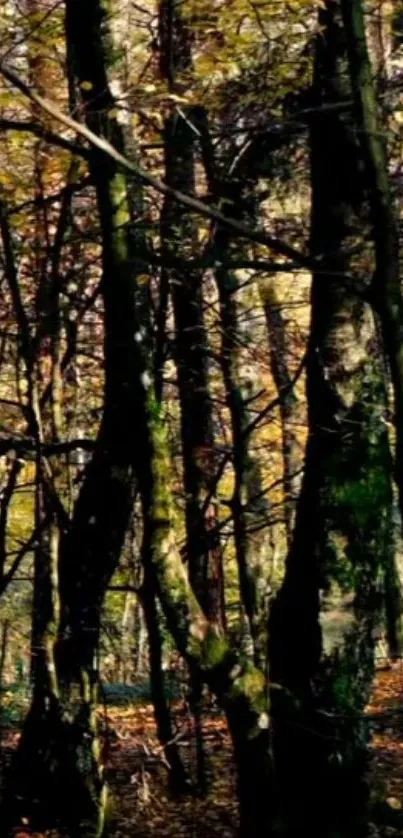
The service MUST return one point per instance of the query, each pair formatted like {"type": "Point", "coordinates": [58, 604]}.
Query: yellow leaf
{"type": "Point", "coordinates": [394, 803]}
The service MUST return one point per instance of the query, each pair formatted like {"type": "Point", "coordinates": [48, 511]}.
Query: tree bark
{"type": "Point", "coordinates": [279, 360]}
{"type": "Point", "coordinates": [386, 293]}
{"type": "Point", "coordinates": [343, 536]}
{"type": "Point", "coordinates": [62, 740]}
{"type": "Point", "coordinates": [179, 238]}
{"type": "Point", "coordinates": [178, 780]}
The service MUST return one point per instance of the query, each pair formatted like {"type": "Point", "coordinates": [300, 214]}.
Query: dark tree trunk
{"type": "Point", "coordinates": [178, 780]}
{"type": "Point", "coordinates": [393, 608]}
{"type": "Point", "coordinates": [343, 535]}
{"type": "Point", "coordinates": [386, 292]}
{"type": "Point", "coordinates": [179, 239]}
{"type": "Point", "coordinates": [279, 365]}
{"type": "Point", "coordinates": [60, 735]}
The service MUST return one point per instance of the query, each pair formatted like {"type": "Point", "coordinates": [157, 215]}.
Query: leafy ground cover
{"type": "Point", "coordinates": [141, 806]}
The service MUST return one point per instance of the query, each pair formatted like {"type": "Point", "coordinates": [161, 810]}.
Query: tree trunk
{"type": "Point", "coordinates": [240, 687]}
{"type": "Point", "coordinates": [250, 506]}
{"type": "Point", "coordinates": [179, 239]}
{"type": "Point", "coordinates": [343, 528]}
{"type": "Point", "coordinates": [60, 735]}
{"type": "Point", "coordinates": [178, 781]}
{"type": "Point", "coordinates": [386, 292]}
{"type": "Point", "coordinates": [279, 359]}
{"type": "Point", "coordinates": [393, 608]}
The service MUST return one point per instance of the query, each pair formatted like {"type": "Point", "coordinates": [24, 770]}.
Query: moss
{"type": "Point", "coordinates": [364, 495]}
{"type": "Point", "coordinates": [214, 651]}
{"type": "Point", "coordinates": [250, 686]}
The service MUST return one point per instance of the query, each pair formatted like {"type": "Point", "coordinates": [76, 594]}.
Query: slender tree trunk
{"type": "Point", "coordinates": [393, 608]}
{"type": "Point", "coordinates": [179, 238]}
{"type": "Point", "coordinates": [5, 628]}
{"type": "Point", "coordinates": [249, 504]}
{"type": "Point", "coordinates": [178, 781]}
{"type": "Point", "coordinates": [279, 360]}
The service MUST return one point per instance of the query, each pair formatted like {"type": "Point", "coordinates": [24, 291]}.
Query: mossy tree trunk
{"type": "Point", "coordinates": [343, 536]}
{"type": "Point", "coordinates": [240, 687]}
{"type": "Point", "coordinates": [64, 746]}
{"type": "Point", "coordinates": [130, 403]}
{"type": "Point", "coordinates": [386, 292]}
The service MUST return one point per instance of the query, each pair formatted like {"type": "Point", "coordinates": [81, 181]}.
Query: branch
{"type": "Point", "coordinates": [213, 213]}
{"type": "Point", "coordinates": [26, 548]}
{"type": "Point", "coordinates": [7, 492]}
{"type": "Point", "coordinates": [12, 280]}
{"type": "Point", "coordinates": [29, 446]}
{"type": "Point", "coordinates": [45, 134]}
{"type": "Point", "coordinates": [41, 201]}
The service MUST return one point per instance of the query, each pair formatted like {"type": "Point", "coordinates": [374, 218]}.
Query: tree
{"type": "Point", "coordinates": [342, 538]}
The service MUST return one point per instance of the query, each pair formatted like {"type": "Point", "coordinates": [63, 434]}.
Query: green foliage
{"type": "Point", "coordinates": [14, 704]}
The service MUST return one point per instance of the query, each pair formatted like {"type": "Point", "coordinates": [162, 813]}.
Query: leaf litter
{"type": "Point", "coordinates": [141, 806]}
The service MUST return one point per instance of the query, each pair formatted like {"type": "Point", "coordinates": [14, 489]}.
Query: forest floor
{"type": "Point", "coordinates": [386, 714]}
{"type": "Point", "coordinates": [138, 777]}
{"type": "Point", "coordinates": [142, 807]}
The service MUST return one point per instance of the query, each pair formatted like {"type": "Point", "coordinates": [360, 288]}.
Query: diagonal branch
{"type": "Point", "coordinates": [45, 134]}
{"type": "Point", "coordinates": [236, 227]}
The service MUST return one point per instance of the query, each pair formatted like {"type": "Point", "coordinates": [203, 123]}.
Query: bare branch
{"type": "Point", "coordinates": [236, 227]}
